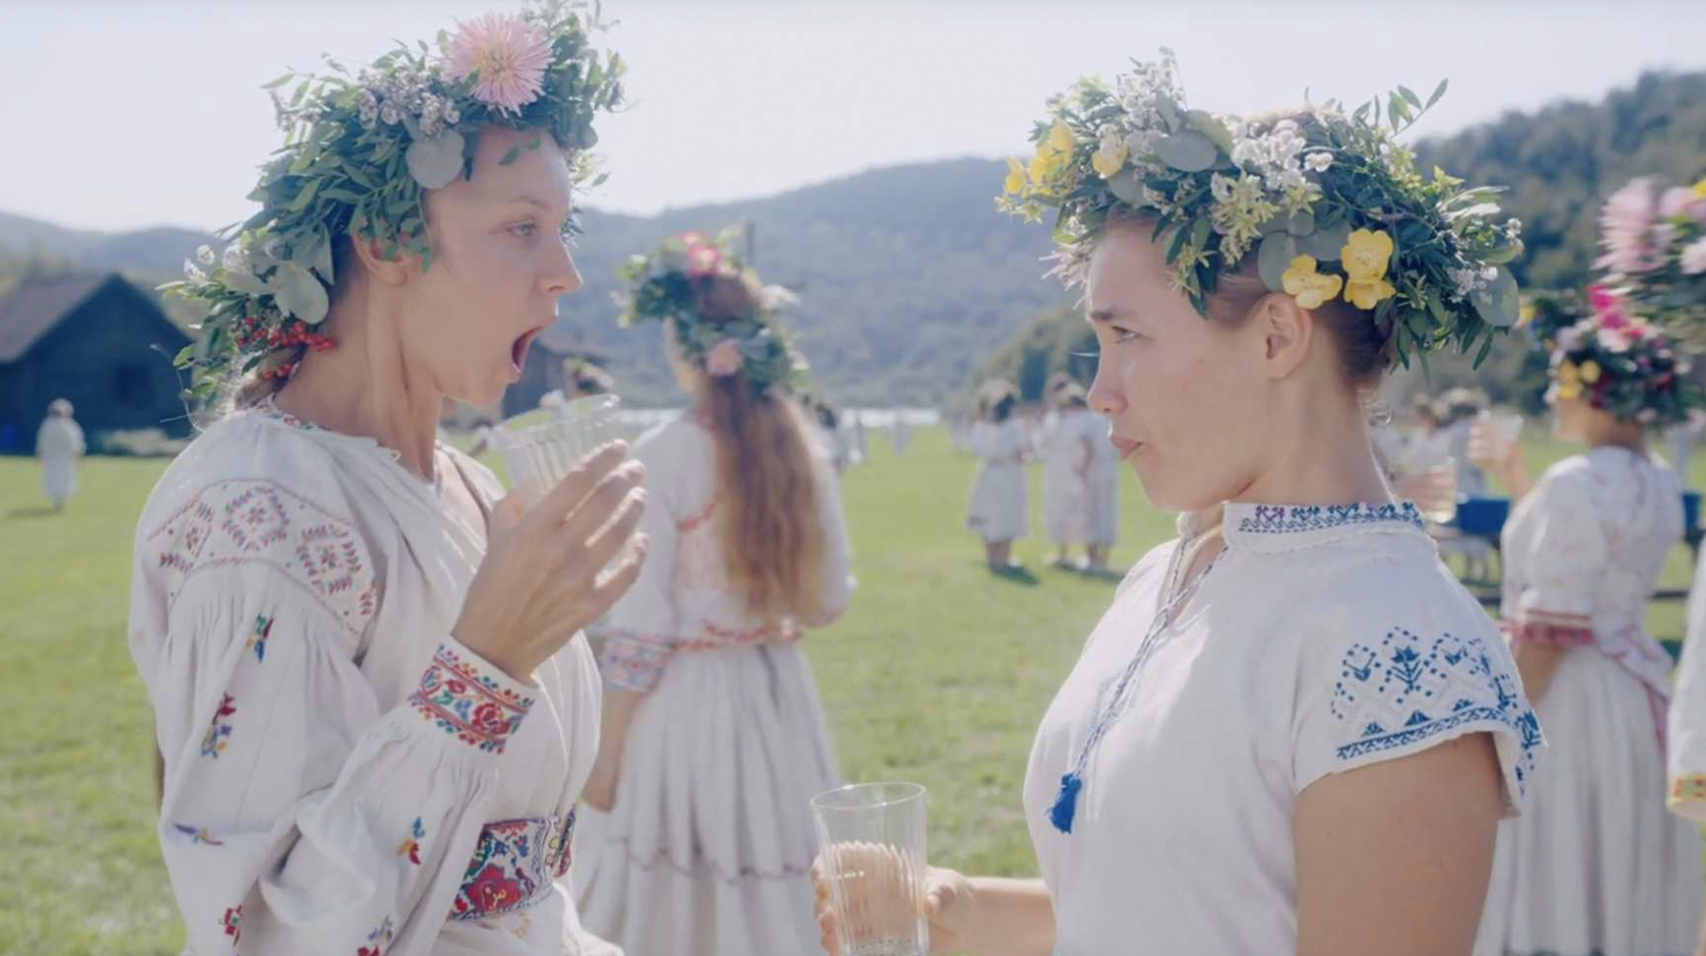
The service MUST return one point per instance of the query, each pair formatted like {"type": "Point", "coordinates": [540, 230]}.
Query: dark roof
{"type": "Point", "coordinates": [560, 340]}
{"type": "Point", "coordinates": [37, 305]}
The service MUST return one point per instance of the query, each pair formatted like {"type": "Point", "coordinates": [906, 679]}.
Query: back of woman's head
{"type": "Point", "coordinates": [770, 477]}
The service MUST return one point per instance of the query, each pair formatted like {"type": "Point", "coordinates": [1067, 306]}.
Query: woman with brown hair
{"type": "Point", "coordinates": [697, 834]}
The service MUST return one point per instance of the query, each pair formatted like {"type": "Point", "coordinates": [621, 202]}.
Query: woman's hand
{"type": "Point", "coordinates": [548, 570]}
{"type": "Point", "coordinates": [873, 877]}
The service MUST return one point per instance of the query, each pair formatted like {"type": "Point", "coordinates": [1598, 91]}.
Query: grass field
{"type": "Point", "coordinates": [938, 674]}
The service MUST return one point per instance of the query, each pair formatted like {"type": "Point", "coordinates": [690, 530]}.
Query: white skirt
{"type": "Point", "coordinates": [999, 508]}
{"type": "Point", "coordinates": [708, 849]}
{"type": "Point", "coordinates": [1104, 503]}
{"type": "Point", "coordinates": [1066, 503]}
{"type": "Point", "coordinates": [1595, 864]}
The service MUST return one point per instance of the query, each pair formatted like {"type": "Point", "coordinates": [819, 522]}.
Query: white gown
{"type": "Point", "coordinates": [708, 848]}
{"type": "Point", "coordinates": [342, 775]}
{"type": "Point", "coordinates": [1066, 454]}
{"type": "Point", "coordinates": [1105, 467]}
{"type": "Point", "coordinates": [59, 443]}
{"type": "Point", "coordinates": [999, 509]}
{"type": "Point", "coordinates": [1596, 865]}
{"type": "Point", "coordinates": [1324, 639]}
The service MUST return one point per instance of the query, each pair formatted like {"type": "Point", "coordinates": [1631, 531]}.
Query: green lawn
{"type": "Point", "coordinates": [938, 674]}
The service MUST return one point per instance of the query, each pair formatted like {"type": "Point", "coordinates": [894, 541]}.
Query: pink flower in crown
{"type": "Point", "coordinates": [1694, 257]}
{"type": "Point", "coordinates": [1678, 201]}
{"type": "Point", "coordinates": [1624, 227]}
{"type": "Point", "coordinates": [1608, 306]}
{"type": "Point", "coordinates": [703, 261]}
{"type": "Point", "coordinates": [725, 358]}
{"type": "Point", "coordinates": [506, 57]}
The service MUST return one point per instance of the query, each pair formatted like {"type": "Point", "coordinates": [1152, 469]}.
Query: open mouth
{"type": "Point", "coordinates": [1124, 446]}
{"type": "Point", "coordinates": [518, 350]}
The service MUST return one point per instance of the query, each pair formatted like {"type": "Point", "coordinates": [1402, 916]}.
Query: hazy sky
{"type": "Point", "coordinates": [146, 112]}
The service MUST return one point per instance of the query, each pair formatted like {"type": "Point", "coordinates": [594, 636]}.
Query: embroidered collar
{"type": "Point", "coordinates": [1292, 527]}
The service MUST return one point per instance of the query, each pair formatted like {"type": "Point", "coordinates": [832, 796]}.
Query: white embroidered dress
{"type": "Point", "coordinates": [999, 508]}
{"type": "Point", "coordinates": [1066, 451]}
{"type": "Point", "coordinates": [708, 848]}
{"type": "Point", "coordinates": [342, 776]}
{"type": "Point", "coordinates": [1323, 639]}
{"type": "Point", "coordinates": [1105, 469]}
{"type": "Point", "coordinates": [1596, 865]}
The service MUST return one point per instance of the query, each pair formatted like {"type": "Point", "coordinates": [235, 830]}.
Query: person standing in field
{"type": "Point", "coordinates": [999, 511]}
{"type": "Point", "coordinates": [60, 446]}
{"type": "Point", "coordinates": [696, 830]}
{"type": "Point", "coordinates": [1067, 453]}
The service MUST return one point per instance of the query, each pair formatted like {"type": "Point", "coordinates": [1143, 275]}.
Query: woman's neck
{"type": "Point", "coordinates": [1625, 435]}
{"type": "Point", "coordinates": [1327, 459]}
{"type": "Point", "coordinates": [361, 387]}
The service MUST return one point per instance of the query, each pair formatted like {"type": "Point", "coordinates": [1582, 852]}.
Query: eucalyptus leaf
{"type": "Point", "coordinates": [1169, 111]}
{"type": "Point", "coordinates": [245, 283]}
{"type": "Point", "coordinates": [1410, 96]}
{"type": "Point", "coordinates": [1499, 304]}
{"type": "Point", "coordinates": [435, 163]}
{"type": "Point", "coordinates": [1127, 186]}
{"type": "Point", "coordinates": [1215, 130]}
{"type": "Point", "coordinates": [1187, 151]}
{"type": "Point", "coordinates": [1326, 245]}
{"type": "Point", "coordinates": [511, 156]}
{"type": "Point", "coordinates": [298, 293]}
{"type": "Point", "coordinates": [1273, 258]}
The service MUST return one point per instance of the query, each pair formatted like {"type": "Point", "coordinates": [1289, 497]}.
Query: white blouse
{"type": "Point", "coordinates": [683, 600]}
{"type": "Point", "coordinates": [343, 776]}
{"type": "Point", "coordinates": [1322, 640]}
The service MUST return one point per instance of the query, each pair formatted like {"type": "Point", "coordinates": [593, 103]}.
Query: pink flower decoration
{"type": "Point", "coordinates": [1676, 201]}
{"type": "Point", "coordinates": [703, 261]}
{"type": "Point", "coordinates": [1694, 257]}
{"type": "Point", "coordinates": [1624, 226]}
{"type": "Point", "coordinates": [1608, 306]}
{"type": "Point", "coordinates": [725, 358]}
{"type": "Point", "coordinates": [1614, 340]}
{"type": "Point", "coordinates": [506, 57]}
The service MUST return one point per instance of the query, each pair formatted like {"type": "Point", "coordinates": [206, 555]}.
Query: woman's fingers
{"type": "Point", "coordinates": [608, 540]}
{"type": "Point", "coordinates": [563, 499]}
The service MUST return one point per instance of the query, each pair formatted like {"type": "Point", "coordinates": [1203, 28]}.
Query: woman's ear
{"type": "Point", "coordinates": [370, 252]}
{"type": "Point", "coordinates": [1286, 330]}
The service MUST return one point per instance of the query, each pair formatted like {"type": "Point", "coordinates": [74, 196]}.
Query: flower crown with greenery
{"type": "Point", "coordinates": [1615, 361]}
{"type": "Point", "coordinates": [1654, 244]}
{"type": "Point", "coordinates": [665, 286]}
{"type": "Point", "coordinates": [1328, 203]}
{"type": "Point", "coordinates": [360, 153]}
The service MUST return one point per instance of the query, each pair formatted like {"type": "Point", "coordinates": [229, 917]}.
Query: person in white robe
{"type": "Point", "coordinates": [1067, 452]}
{"type": "Point", "coordinates": [1598, 866]}
{"type": "Point", "coordinates": [60, 446]}
{"type": "Point", "coordinates": [999, 510]}
{"type": "Point", "coordinates": [696, 833]}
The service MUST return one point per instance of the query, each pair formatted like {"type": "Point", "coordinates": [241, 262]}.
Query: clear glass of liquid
{"type": "Point", "coordinates": [873, 860]}
{"type": "Point", "coordinates": [538, 453]}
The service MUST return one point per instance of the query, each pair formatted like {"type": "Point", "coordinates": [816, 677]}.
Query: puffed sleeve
{"type": "Point", "coordinates": [298, 816]}
{"type": "Point", "coordinates": [639, 635]}
{"type": "Point", "coordinates": [1563, 562]}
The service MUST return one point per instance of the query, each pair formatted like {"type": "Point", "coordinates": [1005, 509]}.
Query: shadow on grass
{"type": "Point", "coordinates": [1016, 574]}
{"type": "Point", "coordinates": [30, 513]}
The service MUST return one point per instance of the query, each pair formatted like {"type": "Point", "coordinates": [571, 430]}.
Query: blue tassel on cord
{"type": "Point", "coordinates": [1066, 805]}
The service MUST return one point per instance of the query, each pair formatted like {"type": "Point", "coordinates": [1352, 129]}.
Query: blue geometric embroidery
{"type": "Point", "coordinates": [1278, 519]}
{"type": "Point", "coordinates": [1398, 694]}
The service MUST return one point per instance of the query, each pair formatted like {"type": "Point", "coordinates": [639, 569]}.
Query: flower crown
{"type": "Point", "coordinates": [663, 286]}
{"type": "Point", "coordinates": [361, 151]}
{"type": "Point", "coordinates": [1620, 364]}
{"type": "Point", "coordinates": [1329, 203]}
{"type": "Point", "coordinates": [1655, 251]}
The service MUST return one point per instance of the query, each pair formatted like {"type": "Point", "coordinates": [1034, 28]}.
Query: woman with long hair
{"type": "Point", "coordinates": [696, 833]}
{"type": "Point", "coordinates": [375, 709]}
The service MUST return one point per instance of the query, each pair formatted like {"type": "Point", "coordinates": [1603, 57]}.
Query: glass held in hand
{"type": "Point", "coordinates": [539, 450]}
{"type": "Point", "coordinates": [873, 859]}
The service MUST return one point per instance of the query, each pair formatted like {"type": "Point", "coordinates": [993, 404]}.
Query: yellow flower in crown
{"type": "Point", "coordinates": [1569, 374]}
{"type": "Point", "coordinates": [1366, 255]}
{"type": "Point", "coordinates": [1525, 314]}
{"type": "Point", "coordinates": [1015, 177]}
{"type": "Point", "coordinates": [1108, 161]}
{"type": "Point", "coordinates": [1590, 371]}
{"type": "Point", "coordinates": [1310, 288]}
{"type": "Point", "coordinates": [1700, 189]}
{"type": "Point", "coordinates": [1060, 137]}
{"type": "Point", "coordinates": [1365, 294]}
